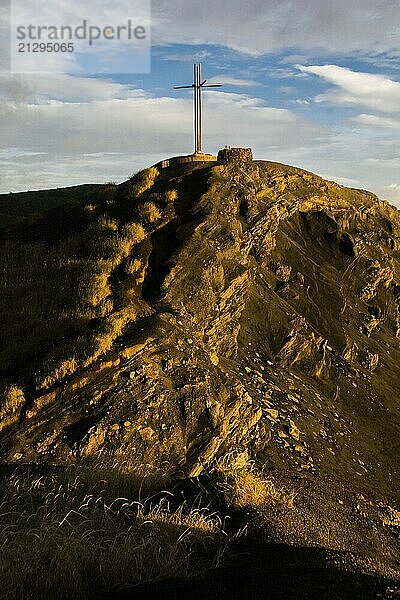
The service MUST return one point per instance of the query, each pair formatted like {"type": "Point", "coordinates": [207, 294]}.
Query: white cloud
{"type": "Point", "coordinates": [60, 170]}
{"type": "Point", "coordinates": [97, 130]}
{"type": "Point", "coordinates": [392, 193]}
{"type": "Point", "coordinates": [385, 162]}
{"type": "Point", "coordinates": [235, 81]}
{"type": "Point", "coordinates": [393, 186]}
{"type": "Point", "coordinates": [287, 89]}
{"type": "Point", "coordinates": [376, 121]}
{"type": "Point", "coordinates": [260, 26]}
{"type": "Point", "coordinates": [40, 88]}
{"type": "Point", "coordinates": [119, 51]}
{"type": "Point", "coordinates": [191, 57]}
{"type": "Point", "coordinates": [353, 88]}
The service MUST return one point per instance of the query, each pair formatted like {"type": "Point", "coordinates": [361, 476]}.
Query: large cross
{"type": "Point", "coordinates": [198, 85]}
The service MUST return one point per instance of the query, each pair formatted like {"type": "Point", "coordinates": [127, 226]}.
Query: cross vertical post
{"type": "Point", "coordinates": [196, 106]}
{"type": "Point", "coordinates": [197, 109]}
{"type": "Point", "coordinates": [200, 110]}
{"type": "Point", "coordinates": [198, 85]}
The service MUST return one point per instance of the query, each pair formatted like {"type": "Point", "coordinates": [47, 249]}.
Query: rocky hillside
{"type": "Point", "coordinates": [243, 309]}
{"type": "Point", "coordinates": [210, 325]}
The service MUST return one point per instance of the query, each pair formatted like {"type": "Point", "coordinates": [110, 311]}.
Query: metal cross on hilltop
{"type": "Point", "coordinates": [198, 85]}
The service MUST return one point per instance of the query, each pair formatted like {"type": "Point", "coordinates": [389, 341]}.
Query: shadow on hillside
{"type": "Point", "coordinates": [275, 571]}
{"type": "Point", "coordinates": [164, 243]}
{"type": "Point", "coordinates": [166, 240]}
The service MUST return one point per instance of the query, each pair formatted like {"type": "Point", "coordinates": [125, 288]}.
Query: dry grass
{"type": "Point", "coordinates": [74, 533]}
{"type": "Point", "coordinates": [149, 212]}
{"type": "Point", "coordinates": [82, 352]}
{"type": "Point", "coordinates": [106, 223]}
{"type": "Point", "coordinates": [60, 290]}
{"type": "Point", "coordinates": [61, 294]}
{"type": "Point", "coordinates": [56, 370]}
{"type": "Point", "coordinates": [107, 333]}
{"type": "Point", "coordinates": [170, 196]}
{"type": "Point", "coordinates": [143, 181]}
{"type": "Point", "coordinates": [133, 267]}
{"type": "Point", "coordinates": [243, 486]}
{"type": "Point", "coordinates": [96, 289]}
{"type": "Point", "coordinates": [135, 232]}
{"type": "Point", "coordinates": [13, 400]}
{"type": "Point", "coordinates": [391, 517]}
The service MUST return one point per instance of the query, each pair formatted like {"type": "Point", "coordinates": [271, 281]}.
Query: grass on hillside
{"type": "Point", "coordinates": [28, 207]}
{"type": "Point", "coordinates": [244, 486]}
{"type": "Point", "coordinates": [72, 533]}
{"type": "Point", "coordinates": [56, 297]}
{"type": "Point", "coordinates": [76, 531]}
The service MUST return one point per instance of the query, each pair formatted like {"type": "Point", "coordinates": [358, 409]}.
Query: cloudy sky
{"type": "Point", "coordinates": [309, 83]}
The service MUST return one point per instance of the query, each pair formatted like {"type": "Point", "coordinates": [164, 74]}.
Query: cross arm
{"type": "Point", "coordinates": [183, 87]}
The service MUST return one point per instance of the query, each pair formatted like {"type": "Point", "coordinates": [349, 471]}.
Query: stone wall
{"type": "Point", "coordinates": [238, 154]}
{"type": "Point", "coordinates": [177, 160]}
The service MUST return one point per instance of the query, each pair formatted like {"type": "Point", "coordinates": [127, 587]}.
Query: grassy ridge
{"type": "Point", "coordinates": [56, 298]}
{"type": "Point", "coordinates": [27, 207]}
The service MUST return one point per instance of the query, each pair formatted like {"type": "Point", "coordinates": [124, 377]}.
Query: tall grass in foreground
{"type": "Point", "coordinates": [74, 533]}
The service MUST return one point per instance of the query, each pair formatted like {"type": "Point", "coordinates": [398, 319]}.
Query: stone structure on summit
{"type": "Point", "coordinates": [228, 154]}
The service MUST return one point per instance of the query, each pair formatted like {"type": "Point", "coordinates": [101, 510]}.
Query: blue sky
{"type": "Point", "coordinates": [307, 83]}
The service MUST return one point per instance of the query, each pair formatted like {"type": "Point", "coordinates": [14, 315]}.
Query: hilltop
{"type": "Point", "coordinates": [236, 314]}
